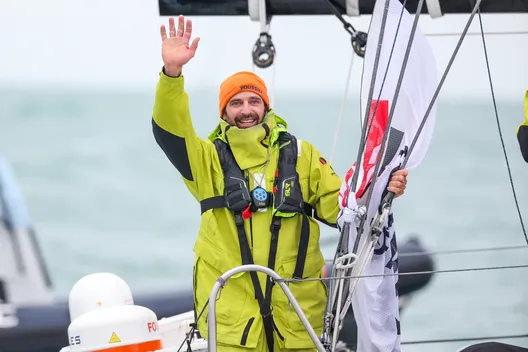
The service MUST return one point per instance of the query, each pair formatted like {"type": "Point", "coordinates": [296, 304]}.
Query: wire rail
{"type": "Point", "coordinates": [222, 281]}
{"type": "Point", "coordinates": [331, 241]}
{"type": "Point", "coordinates": [455, 34]}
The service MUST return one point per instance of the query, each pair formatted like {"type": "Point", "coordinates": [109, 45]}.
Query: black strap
{"type": "Point", "coordinates": [303, 247]}
{"type": "Point", "coordinates": [310, 211]}
{"type": "Point", "coordinates": [247, 258]}
{"type": "Point", "coordinates": [212, 203]}
{"type": "Point", "coordinates": [265, 305]}
{"type": "Point", "coordinates": [218, 202]}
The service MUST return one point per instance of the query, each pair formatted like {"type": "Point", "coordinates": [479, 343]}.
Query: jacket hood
{"type": "Point", "coordinates": [250, 145]}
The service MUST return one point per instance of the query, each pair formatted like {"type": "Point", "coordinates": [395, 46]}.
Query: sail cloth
{"type": "Point", "coordinates": [375, 299]}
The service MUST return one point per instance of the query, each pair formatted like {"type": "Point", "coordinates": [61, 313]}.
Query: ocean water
{"type": "Point", "coordinates": [103, 197]}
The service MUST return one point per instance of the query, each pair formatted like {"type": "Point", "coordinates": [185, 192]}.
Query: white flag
{"type": "Point", "coordinates": [375, 299]}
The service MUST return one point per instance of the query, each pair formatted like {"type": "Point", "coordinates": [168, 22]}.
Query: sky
{"type": "Point", "coordinates": [116, 45]}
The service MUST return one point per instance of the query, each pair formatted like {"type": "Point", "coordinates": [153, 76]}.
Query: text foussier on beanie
{"type": "Point", "coordinates": [241, 82]}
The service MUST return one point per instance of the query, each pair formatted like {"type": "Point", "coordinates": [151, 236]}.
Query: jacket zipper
{"type": "Point", "coordinates": [245, 334]}
{"type": "Point", "coordinates": [277, 330]}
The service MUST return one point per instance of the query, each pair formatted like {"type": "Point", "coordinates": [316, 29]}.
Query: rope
{"type": "Point", "coordinates": [447, 251]}
{"type": "Point", "coordinates": [440, 84]}
{"type": "Point", "coordinates": [455, 34]}
{"type": "Point", "coordinates": [342, 109]}
{"type": "Point", "coordinates": [460, 251]}
{"type": "Point", "coordinates": [194, 327]}
{"type": "Point", "coordinates": [407, 274]}
{"type": "Point", "coordinates": [499, 127]}
{"type": "Point", "coordinates": [379, 158]}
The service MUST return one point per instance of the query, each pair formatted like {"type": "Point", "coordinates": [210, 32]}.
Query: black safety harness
{"type": "Point", "coordinates": [285, 198]}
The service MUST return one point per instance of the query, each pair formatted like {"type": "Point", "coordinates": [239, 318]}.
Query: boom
{"type": "Point", "coordinates": [320, 7]}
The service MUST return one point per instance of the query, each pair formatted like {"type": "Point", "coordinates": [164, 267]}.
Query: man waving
{"type": "Point", "coordinates": [260, 189]}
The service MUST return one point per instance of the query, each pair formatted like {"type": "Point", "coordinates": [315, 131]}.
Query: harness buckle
{"type": "Point", "coordinates": [275, 226]}
{"type": "Point", "coordinates": [239, 219]}
{"type": "Point", "coordinates": [260, 198]}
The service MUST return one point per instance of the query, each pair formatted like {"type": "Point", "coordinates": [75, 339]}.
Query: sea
{"type": "Point", "coordinates": [103, 197]}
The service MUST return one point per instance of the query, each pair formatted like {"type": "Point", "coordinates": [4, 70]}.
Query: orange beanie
{"type": "Point", "coordinates": [241, 82]}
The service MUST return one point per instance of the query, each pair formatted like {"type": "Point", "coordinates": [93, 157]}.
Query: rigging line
{"type": "Point", "coordinates": [333, 7]}
{"type": "Point", "coordinates": [449, 251]}
{"type": "Point", "coordinates": [454, 34]}
{"type": "Point", "coordinates": [383, 80]}
{"type": "Point", "coordinates": [194, 326]}
{"type": "Point", "coordinates": [461, 251]}
{"type": "Point", "coordinates": [380, 156]}
{"type": "Point", "coordinates": [499, 127]}
{"type": "Point", "coordinates": [369, 99]}
{"type": "Point", "coordinates": [348, 27]}
{"type": "Point", "coordinates": [441, 83]}
{"type": "Point", "coordinates": [411, 273]}
{"type": "Point", "coordinates": [464, 339]}
{"type": "Point", "coordinates": [363, 74]}
{"type": "Point", "coordinates": [387, 68]}
{"type": "Point", "coordinates": [392, 108]}
{"type": "Point", "coordinates": [367, 126]}
{"type": "Point", "coordinates": [362, 143]}
{"type": "Point", "coordinates": [342, 109]}
{"type": "Point", "coordinates": [366, 130]}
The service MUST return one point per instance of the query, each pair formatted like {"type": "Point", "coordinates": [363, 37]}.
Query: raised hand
{"type": "Point", "coordinates": [175, 49]}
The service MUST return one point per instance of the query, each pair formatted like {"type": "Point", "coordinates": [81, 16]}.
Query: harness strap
{"type": "Point", "coordinates": [247, 258]}
{"type": "Point", "coordinates": [212, 203]}
{"type": "Point", "coordinates": [219, 202]}
{"type": "Point", "coordinates": [235, 198]}
{"type": "Point", "coordinates": [303, 247]}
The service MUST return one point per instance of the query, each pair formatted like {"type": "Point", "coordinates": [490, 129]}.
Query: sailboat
{"type": "Point", "coordinates": [33, 319]}
{"type": "Point", "coordinates": [349, 262]}
{"type": "Point", "coordinates": [29, 327]}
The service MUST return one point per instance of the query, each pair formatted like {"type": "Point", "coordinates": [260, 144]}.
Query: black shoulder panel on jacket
{"type": "Point", "coordinates": [522, 137]}
{"type": "Point", "coordinates": [175, 150]}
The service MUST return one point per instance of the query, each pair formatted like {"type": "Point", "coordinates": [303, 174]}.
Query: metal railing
{"type": "Point", "coordinates": [220, 283]}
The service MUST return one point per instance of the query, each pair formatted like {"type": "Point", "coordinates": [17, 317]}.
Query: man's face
{"type": "Point", "coordinates": [244, 110]}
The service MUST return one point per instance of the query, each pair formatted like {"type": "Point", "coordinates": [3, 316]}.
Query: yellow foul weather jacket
{"type": "Point", "coordinates": [217, 247]}
{"type": "Point", "coordinates": [522, 131]}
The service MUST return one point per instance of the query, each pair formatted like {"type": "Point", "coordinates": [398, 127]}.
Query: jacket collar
{"type": "Point", "coordinates": [250, 146]}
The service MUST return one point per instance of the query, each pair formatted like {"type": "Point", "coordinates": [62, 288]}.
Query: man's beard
{"type": "Point", "coordinates": [247, 120]}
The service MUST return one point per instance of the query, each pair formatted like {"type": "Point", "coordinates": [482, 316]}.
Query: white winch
{"type": "Point", "coordinates": [104, 319]}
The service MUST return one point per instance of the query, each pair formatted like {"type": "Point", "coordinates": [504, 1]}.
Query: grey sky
{"type": "Point", "coordinates": [115, 44]}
